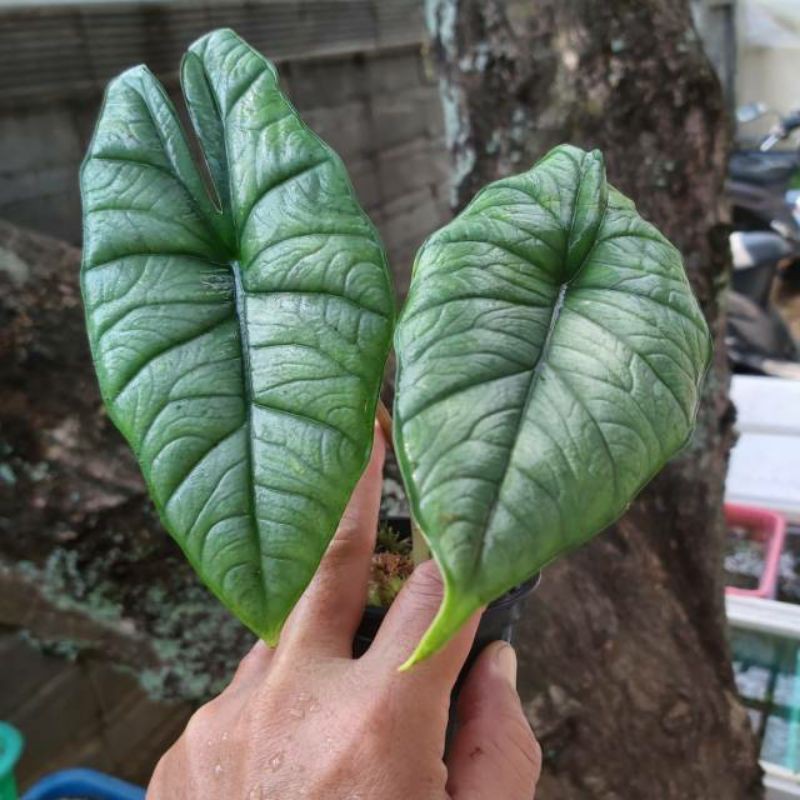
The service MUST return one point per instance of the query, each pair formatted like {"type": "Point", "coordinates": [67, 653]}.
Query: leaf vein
{"type": "Point", "coordinates": [172, 345]}
{"type": "Point", "coordinates": [645, 360]}
{"type": "Point", "coordinates": [277, 185]}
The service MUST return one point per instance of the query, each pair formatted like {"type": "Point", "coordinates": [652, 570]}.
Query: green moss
{"type": "Point", "coordinates": [390, 541]}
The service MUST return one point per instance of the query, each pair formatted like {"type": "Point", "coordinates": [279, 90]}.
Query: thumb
{"type": "Point", "coordinates": [495, 753]}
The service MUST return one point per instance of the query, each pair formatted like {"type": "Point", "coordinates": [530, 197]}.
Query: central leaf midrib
{"type": "Point", "coordinates": [536, 371]}
{"type": "Point", "coordinates": [541, 361]}
{"type": "Point", "coordinates": [240, 310]}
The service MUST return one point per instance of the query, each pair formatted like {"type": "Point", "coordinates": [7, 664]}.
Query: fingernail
{"type": "Point", "coordinates": [506, 660]}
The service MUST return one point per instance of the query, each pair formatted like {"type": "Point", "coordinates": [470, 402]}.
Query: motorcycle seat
{"type": "Point", "coordinates": [774, 167]}
{"type": "Point", "coordinates": [753, 248]}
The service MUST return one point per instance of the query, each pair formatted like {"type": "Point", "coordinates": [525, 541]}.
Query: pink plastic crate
{"type": "Point", "coordinates": [768, 527]}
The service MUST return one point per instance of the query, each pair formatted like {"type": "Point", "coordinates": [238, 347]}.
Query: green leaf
{"type": "Point", "coordinates": [549, 361]}
{"type": "Point", "coordinates": [239, 329]}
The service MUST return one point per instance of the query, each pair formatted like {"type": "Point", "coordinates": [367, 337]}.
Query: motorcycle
{"type": "Point", "coordinates": [757, 337]}
{"type": "Point", "coordinates": [765, 244]}
{"type": "Point", "coordinates": [763, 183]}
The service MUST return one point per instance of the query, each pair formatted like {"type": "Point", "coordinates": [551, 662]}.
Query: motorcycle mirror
{"type": "Point", "coordinates": [750, 112]}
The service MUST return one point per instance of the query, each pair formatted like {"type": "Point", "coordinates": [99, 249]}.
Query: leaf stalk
{"type": "Point", "coordinates": [419, 547]}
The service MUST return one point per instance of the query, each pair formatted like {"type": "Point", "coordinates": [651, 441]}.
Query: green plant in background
{"type": "Point", "coordinates": [549, 353]}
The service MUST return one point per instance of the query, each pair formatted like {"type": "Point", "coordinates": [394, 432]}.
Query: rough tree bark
{"type": "Point", "coordinates": [85, 567]}
{"type": "Point", "coordinates": [625, 668]}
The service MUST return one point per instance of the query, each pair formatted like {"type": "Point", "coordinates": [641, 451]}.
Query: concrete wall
{"type": "Point", "coordinates": [769, 53]}
{"type": "Point", "coordinates": [354, 68]}
{"type": "Point", "coordinates": [768, 48]}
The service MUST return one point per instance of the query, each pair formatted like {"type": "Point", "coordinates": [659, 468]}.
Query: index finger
{"type": "Point", "coordinates": [327, 615]}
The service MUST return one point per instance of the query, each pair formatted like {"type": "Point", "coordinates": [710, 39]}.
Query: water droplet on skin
{"type": "Point", "coordinates": [304, 703]}
{"type": "Point", "coordinates": [276, 762]}
{"type": "Point", "coordinates": [218, 770]}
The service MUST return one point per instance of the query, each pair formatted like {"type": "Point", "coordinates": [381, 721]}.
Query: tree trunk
{"type": "Point", "coordinates": [625, 668]}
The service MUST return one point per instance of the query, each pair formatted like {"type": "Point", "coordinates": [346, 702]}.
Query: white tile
{"type": "Point", "coordinates": [766, 404]}
{"type": "Point", "coordinates": [765, 470]}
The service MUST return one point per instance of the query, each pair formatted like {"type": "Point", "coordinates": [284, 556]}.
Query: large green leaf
{"type": "Point", "coordinates": [549, 359]}
{"type": "Point", "coordinates": [239, 334]}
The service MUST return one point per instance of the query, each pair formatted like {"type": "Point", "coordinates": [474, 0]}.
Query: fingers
{"type": "Point", "coordinates": [494, 753]}
{"type": "Point", "coordinates": [407, 620]}
{"type": "Point", "coordinates": [327, 616]}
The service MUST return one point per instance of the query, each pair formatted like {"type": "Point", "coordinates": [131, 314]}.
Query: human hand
{"type": "Point", "coordinates": [306, 720]}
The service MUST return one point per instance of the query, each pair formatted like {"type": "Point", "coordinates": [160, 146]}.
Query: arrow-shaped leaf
{"type": "Point", "coordinates": [549, 359]}
{"type": "Point", "coordinates": [239, 334]}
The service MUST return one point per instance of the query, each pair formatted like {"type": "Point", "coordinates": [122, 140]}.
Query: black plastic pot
{"type": "Point", "coordinates": [498, 622]}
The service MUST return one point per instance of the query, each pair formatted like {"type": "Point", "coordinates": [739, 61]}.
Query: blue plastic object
{"type": "Point", "coordinates": [85, 784]}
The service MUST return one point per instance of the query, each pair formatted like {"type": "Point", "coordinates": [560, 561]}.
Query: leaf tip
{"type": "Point", "coordinates": [266, 626]}
{"type": "Point", "coordinates": [427, 646]}
{"type": "Point", "coordinates": [597, 156]}
{"type": "Point", "coordinates": [133, 77]}
{"type": "Point", "coordinates": [409, 662]}
{"type": "Point", "coordinates": [208, 38]}
{"type": "Point", "coordinates": [270, 637]}
{"type": "Point", "coordinates": [453, 612]}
